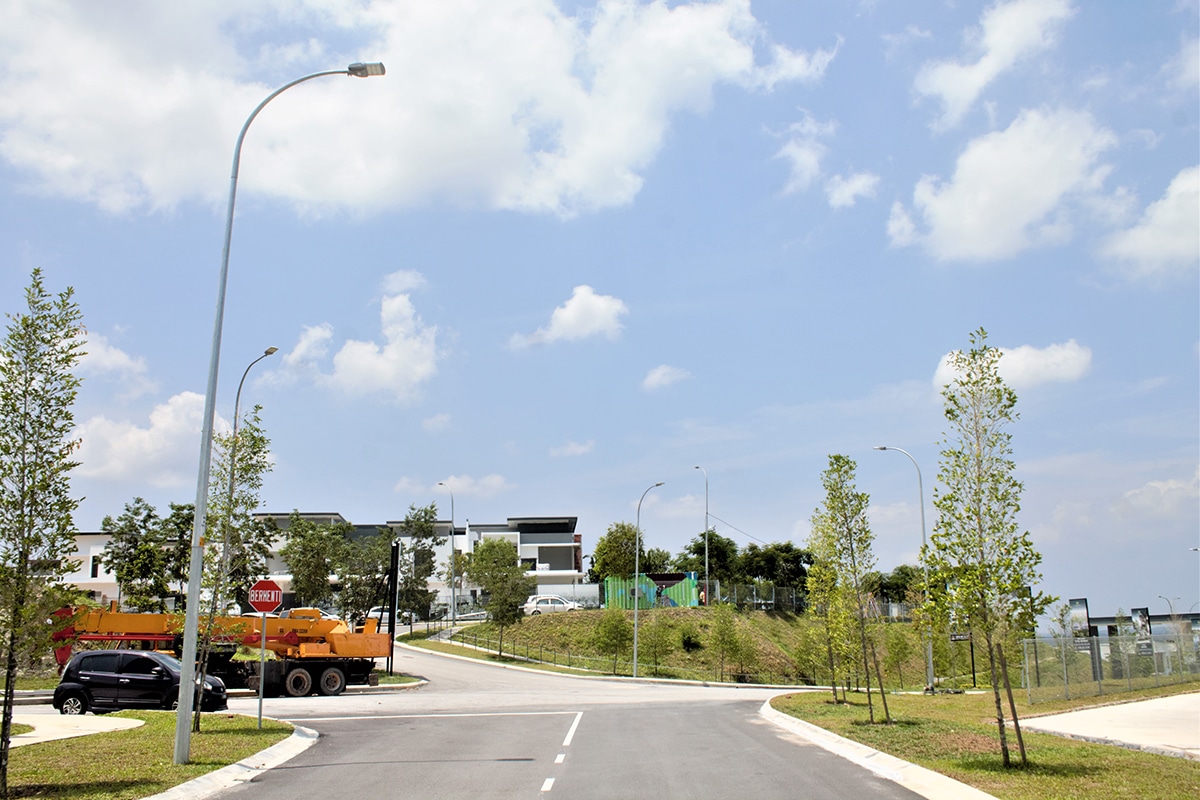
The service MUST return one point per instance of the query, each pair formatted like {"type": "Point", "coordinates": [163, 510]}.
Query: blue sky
{"type": "Point", "coordinates": [561, 252]}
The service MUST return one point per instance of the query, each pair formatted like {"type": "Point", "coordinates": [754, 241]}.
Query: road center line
{"type": "Point", "coordinates": [549, 784]}
{"type": "Point", "coordinates": [560, 758]}
{"type": "Point", "coordinates": [571, 733]}
{"type": "Point", "coordinates": [439, 716]}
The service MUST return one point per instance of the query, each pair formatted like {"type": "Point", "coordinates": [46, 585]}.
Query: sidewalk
{"type": "Point", "coordinates": [48, 727]}
{"type": "Point", "coordinates": [1164, 725]}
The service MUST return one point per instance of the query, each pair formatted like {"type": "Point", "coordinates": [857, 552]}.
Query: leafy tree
{"type": "Point", "coordinates": [312, 552]}
{"type": "Point", "coordinates": [177, 538]}
{"type": "Point", "coordinates": [898, 585]}
{"type": "Point", "coordinates": [418, 560]}
{"type": "Point", "coordinates": [779, 563]}
{"type": "Point", "coordinates": [497, 570]}
{"type": "Point", "coordinates": [899, 650]}
{"type": "Point", "coordinates": [614, 553]}
{"type": "Point", "coordinates": [613, 634]}
{"type": "Point", "coordinates": [38, 354]}
{"type": "Point", "coordinates": [976, 546]}
{"type": "Point", "coordinates": [656, 560]}
{"type": "Point", "coordinates": [827, 601]}
{"type": "Point", "coordinates": [137, 554]}
{"type": "Point", "coordinates": [844, 537]}
{"type": "Point", "coordinates": [363, 564]}
{"type": "Point", "coordinates": [722, 557]}
{"type": "Point", "coordinates": [657, 637]}
{"type": "Point", "coordinates": [239, 554]}
{"type": "Point", "coordinates": [725, 639]}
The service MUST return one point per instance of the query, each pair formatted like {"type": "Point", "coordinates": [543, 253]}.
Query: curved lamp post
{"type": "Point", "coordinates": [453, 552]}
{"type": "Point", "coordinates": [637, 549]}
{"type": "Point", "coordinates": [924, 563]}
{"type": "Point", "coordinates": [187, 677]}
{"type": "Point", "coordinates": [707, 585]}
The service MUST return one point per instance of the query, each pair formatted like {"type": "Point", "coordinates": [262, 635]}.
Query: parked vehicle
{"type": "Point", "coordinates": [383, 616]}
{"type": "Point", "coordinates": [113, 680]}
{"type": "Point", "coordinates": [546, 603]}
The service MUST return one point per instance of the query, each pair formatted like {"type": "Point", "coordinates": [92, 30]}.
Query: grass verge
{"type": "Point", "coordinates": [951, 734]}
{"type": "Point", "coordinates": [135, 763]}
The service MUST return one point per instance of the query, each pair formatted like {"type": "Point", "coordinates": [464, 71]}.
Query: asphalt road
{"type": "Point", "coordinates": [480, 731]}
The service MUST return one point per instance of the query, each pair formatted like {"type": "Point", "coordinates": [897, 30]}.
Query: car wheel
{"type": "Point", "coordinates": [333, 682]}
{"type": "Point", "coordinates": [534, 613]}
{"type": "Point", "coordinates": [74, 704]}
{"type": "Point", "coordinates": [298, 683]}
{"type": "Point", "coordinates": [171, 703]}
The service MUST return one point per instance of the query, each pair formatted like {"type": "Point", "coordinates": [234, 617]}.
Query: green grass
{"type": "Point", "coordinates": [951, 734]}
{"type": "Point", "coordinates": [135, 763]}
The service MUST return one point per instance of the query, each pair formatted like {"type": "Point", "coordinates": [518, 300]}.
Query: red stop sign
{"type": "Point", "coordinates": [266, 596]}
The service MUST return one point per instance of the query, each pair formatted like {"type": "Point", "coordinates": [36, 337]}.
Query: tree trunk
{"type": "Point", "coordinates": [1011, 705]}
{"type": "Point", "coordinates": [832, 671]}
{"type": "Point", "coordinates": [991, 649]}
{"type": "Point", "coordinates": [862, 634]}
{"type": "Point", "coordinates": [887, 716]}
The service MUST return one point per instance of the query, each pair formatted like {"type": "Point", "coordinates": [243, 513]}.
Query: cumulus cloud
{"type": "Point", "coordinates": [436, 423]}
{"type": "Point", "coordinates": [1165, 499]}
{"type": "Point", "coordinates": [1007, 33]}
{"type": "Point", "coordinates": [1166, 240]}
{"type": "Point", "coordinates": [1010, 189]}
{"type": "Point", "coordinates": [580, 109]}
{"type": "Point", "coordinates": [465, 485]}
{"type": "Point", "coordinates": [584, 315]}
{"type": "Point", "coordinates": [571, 449]}
{"type": "Point", "coordinates": [844, 192]}
{"type": "Point", "coordinates": [105, 361]}
{"type": "Point", "coordinates": [804, 150]}
{"type": "Point", "coordinates": [1026, 366]}
{"type": "Point", "coordinates": [162, 454]}
{"type": "Point", "coordinates": [1183, 71]}
{"type": "Point", "coordinates": [398, 366]}
{"type": "Point", "coordinates": [663, 376]}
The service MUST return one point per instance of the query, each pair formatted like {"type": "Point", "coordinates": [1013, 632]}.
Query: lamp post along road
{"type": "Point", "coordinates": [924, 564]}
{"type": "Point", "coordinates": [637, 549]}
{"type": "Point", "coordinates": [707, 585]}
{"type": "Point", "coordinates": [187, 677]}
{"type": "Point", "coordinates": [453, 602]}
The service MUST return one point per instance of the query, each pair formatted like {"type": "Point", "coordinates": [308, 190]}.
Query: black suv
{"type": "Point", "coordinates": [111, 680]}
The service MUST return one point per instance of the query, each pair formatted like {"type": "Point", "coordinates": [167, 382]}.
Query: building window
{"type": "Point", "coordinates": [95, 567]}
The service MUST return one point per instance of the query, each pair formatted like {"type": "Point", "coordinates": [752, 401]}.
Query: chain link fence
{"type": "Point", "coordinates": [1062, 667]}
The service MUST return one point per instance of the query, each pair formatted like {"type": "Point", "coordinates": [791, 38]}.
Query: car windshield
{"type": "Point", "coordinates": [171, 662]}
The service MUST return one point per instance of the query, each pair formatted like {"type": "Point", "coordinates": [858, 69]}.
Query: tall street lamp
{"type": "Point", "coordinates": [187, 676]}
{"type": "Point", "coordinates": [453, 604]}
{"type": "Point", "coordinates": [707, 585]}
{"type": "Point", "coordinates": [637, 549]}
{"type": "Point", "coordinates": [924, 563]}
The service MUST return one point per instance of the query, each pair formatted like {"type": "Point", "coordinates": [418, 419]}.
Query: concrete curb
{"type": "Point", "coordinates": [243, 771]}
{"type": "Point", "coordinates": [925, 782]}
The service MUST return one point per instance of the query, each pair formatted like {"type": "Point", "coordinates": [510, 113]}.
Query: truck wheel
{"type": "Point", "coordinates": [74, 704]}
{"type": "Point", "coordinates": [333, 682]}
{"type": "Point", "coordinates": [298, 683]}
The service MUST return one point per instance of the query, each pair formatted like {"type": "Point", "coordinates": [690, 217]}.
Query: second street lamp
{"type": "Point", "coordinates": [453, 602]}
{"type": "Point", "coordinates": [637, 549]}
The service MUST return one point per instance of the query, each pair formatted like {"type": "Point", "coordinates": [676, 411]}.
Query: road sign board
{"type": "Point", "coordinates": [266, 596]}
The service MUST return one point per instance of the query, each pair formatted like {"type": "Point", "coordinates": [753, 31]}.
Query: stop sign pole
{"type": "Point", "coordinates": [265, 597]}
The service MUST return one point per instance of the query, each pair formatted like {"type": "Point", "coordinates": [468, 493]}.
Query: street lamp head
{"type": "Point", "coordinates": [880, 447]}
{"type": "Point", "coordinates": [660, 483]}
{"type": "Point", "coordinates": [366, 70]}
{"type": "Point", "coordinates": [270, 351]}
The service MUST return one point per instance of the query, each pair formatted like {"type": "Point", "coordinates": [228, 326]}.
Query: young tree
{"type": "Point", "coordinates": [362, 566]}
{"type": "Point", "coordinates": [312, 552]}
{"type": "Point", "coordinates": [614, 553]}
{"type": "Point", "coordinates": [844, 540]}
{"type": "Point", "coordinates": [613, 634]}
{"type": "Point", "coordinates": [496, 569]}
{"type": "Point", "coordinates": [177, 538]}
{"type": "Point", "coordinates": [137, 554]}
{"type": "Point", "coordinates": [38, 386]}
{"type": "Point", "coordinates": [827, 601]}
{"type": "Point", "coordinates": [899, 650]}
{"type": "Point", "coordinates": [657, 637]}
{"type": "Point", "coordinates": [976, 541]}
{"type": "Point", "coordinates": [418, 561]}
{"type": "Point", "coordinates": [725, 638]}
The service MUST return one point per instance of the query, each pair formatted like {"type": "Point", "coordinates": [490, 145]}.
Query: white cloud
{"type": "Point", "coordinates": [662, 376]}
{"type": "Point", "coordinates": [106, 361]}
{"type": "Point", "coordinates": [580, 108]}
{"type": "Point", "coordinates": [1025, 367]}
{"type": "Point", "coordinates": [804, 150]}
{"type": "Point", "coordinates": [436, 423]}
{"type": "Point", "coordinates": [571, 449]}
{"type": "Point", "coordinates": [164, 454]}
{"type": "Point", "coordinates": [585, 314]}
{"type": "Point", "coordinates": [406, 359]}
{"type": "Point", "coordinates": [843, 192]}
{"type": "Point", "coordinates": [1183, 71]}
{"type": "Point", "coordinates": [1166, 241]}
{"type": "Point", "coordinates": [1008, 33]}
{"type": "Point", "coordinates": [1166, 499]}
{"type": "Point", "coordinates": [1010, 189]}
{"type": "Point", "coordinates": [487, 486]}
{"type": "Point", "coordinates": [403, 281]}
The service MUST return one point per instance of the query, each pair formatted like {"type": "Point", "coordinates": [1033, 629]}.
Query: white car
{"type": "Point", "coordinates": [545, 603]}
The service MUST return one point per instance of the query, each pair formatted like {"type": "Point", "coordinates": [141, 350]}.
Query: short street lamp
{"type": "Point", "coordinates": [707, 585]}
{"type": "Point", "coordinates": [924, 563]}
{"type": "Point", "coordinates": [453, 602]}
{"type": "Point", "coordinates": [191, 627]}
{"type": "Point", "coordinates": [637, 549]}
